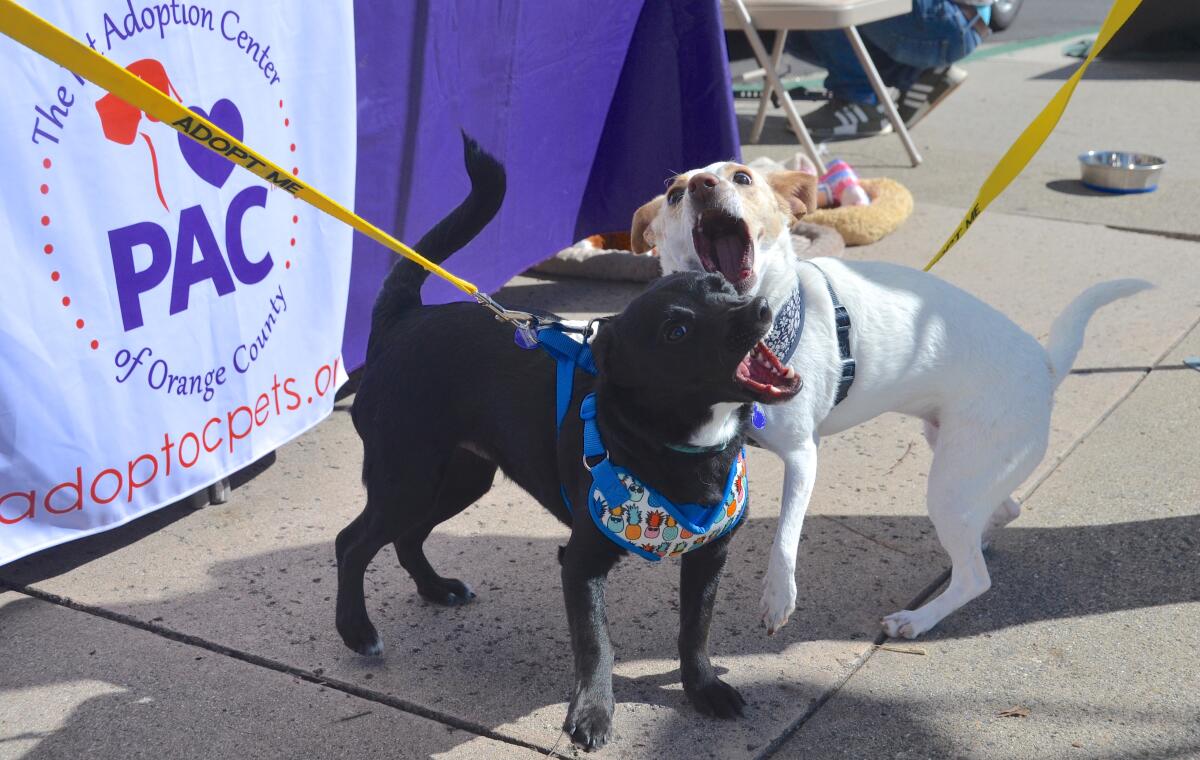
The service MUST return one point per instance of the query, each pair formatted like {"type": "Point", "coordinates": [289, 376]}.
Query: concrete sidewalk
{"type": "Point", "coordinates": [210, 633]}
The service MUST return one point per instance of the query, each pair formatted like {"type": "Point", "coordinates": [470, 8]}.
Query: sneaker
{"type": "Point", "coordinates": [931, 88]}
{"type": "Point", "coordinates": [842, 119]}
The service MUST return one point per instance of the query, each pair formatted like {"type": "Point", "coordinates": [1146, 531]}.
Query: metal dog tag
{"type": "Point", "coordinates": [758, 418]}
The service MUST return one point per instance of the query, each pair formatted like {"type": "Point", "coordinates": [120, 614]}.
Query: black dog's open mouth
{"type": "Point", "coordinates": [723, 244]}
{"type": "Point", "coordinates": [764, 376]}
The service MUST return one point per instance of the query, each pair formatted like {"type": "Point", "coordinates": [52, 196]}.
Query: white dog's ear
{"type": "Point", "coordinates": [797, 190]}
{"type": "Point", "coordinates": [641, 237]}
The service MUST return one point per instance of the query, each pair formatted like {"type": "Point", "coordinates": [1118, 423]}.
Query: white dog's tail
{"type": "Point", "coordinates": [1066, 334]}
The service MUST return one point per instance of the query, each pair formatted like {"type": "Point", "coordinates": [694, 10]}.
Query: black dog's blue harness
{"type": "Point", "coordinates": [630, 513]}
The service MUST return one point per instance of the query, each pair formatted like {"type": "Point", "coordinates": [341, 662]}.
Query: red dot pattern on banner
{"type": "Point", "coordinates": [287, 122]}
{"type": "Point", "coordinates": [48, 249]}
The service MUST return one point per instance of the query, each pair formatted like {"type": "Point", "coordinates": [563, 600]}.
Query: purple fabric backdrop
{"type": "Point", "coordinates": [589, 105]}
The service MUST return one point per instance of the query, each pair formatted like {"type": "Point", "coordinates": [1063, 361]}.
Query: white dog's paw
{"type": "Point", "coordinates": [778, 600]}
{"type": "Point", "coordinates": [905, 624]}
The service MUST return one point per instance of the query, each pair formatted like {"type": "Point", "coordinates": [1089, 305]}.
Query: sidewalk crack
{"type": "Point", "coordinates": [837, 520]}
{"type": "Point", "coordinates": [354, 690]}
{"type": "Point", "coordinates": [859, 662]}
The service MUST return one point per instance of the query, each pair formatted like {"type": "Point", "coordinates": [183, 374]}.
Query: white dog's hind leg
{"type": "Point", "coordinates": [779, 585]}
{"type": "Point", "coordinates": [960, 536]}
{"type": "Point", "coordinates": [965, 476]}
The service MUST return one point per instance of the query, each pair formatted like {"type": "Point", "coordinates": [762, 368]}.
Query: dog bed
{"type": "Point", "coordinates": [607, 257]}
{"type": "Point", "coordinates": [891, 204]}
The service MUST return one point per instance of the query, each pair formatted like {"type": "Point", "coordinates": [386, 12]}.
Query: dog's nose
{"type": "Point", "coordinates": [764, 309]}
{"type": "Point", "coordinates": [701, 185]}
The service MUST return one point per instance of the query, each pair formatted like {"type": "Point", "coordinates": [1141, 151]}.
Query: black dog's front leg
{"type": "Point", "coordinates": [585, 567]}
{"type": "Point", "coordinates": [698, 578]}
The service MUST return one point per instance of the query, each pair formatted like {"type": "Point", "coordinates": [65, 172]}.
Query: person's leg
{"type": "Point", "coordinates": [912, 54]}
{"type": "Point", "coordinates": [846, 79]}
{"type": "Point", "coordinates": [853, 110]}
{"type": "Point", "coordinates": [934, 34]}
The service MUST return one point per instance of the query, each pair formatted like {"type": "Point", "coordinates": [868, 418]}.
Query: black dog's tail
{"type": "Point", "coordinates": [401, 290]}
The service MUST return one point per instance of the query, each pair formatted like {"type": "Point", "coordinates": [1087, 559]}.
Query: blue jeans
{"type": "Point", "coordinates": [935, 33]}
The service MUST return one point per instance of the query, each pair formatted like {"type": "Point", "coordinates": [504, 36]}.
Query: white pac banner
{"type": "Point", "coordinates": [166, 318]}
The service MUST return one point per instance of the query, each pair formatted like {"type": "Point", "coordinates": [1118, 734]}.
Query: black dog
{"type": "Point", "coordinates": [446, 398]}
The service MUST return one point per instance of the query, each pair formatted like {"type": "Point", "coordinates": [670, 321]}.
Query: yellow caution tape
{"type": "Point", "coordinates": [48, 40]}
{"type": "Point", "coordinates": [1022, 151]}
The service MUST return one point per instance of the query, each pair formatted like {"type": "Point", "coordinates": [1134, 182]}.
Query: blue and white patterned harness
{"type": "Point", "coordinates": [630, 513]}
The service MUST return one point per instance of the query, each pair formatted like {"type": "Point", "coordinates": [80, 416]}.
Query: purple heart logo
{"type": "Point", "coordinates": [209, 166]}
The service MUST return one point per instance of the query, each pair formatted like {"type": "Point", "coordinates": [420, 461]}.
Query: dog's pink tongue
{"type": "Point", "coordinates": [730, 256]}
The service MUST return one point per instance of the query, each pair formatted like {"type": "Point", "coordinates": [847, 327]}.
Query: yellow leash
{"type": "Point", "coordinates": [1023, 149]}
{"type": "Point", "coordinates": [44, 38]}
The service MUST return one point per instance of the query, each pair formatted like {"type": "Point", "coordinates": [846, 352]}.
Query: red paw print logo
{"type": "Point", "coordinates": [120, 120]}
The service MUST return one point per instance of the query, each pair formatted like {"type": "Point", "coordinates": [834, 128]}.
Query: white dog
{"type": "Point", "coordinates": [918, 346]}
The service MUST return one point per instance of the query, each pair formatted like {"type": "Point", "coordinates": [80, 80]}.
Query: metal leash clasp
{"type": "Point", "coordinates": [526, 324]}
{"type": "Point", "coordinates": [519, 318]}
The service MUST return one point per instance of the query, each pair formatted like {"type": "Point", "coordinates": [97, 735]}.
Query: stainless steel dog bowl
{"type": "Point", "coordinates": [1119, 172]}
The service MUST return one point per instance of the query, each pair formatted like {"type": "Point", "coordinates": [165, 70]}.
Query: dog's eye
{"type": "Point", "coordinates": [675, 331]}
{"type": "Point", "coordinates": [742, 178]}
{"type": "Point", "coordinates": [674, 196]}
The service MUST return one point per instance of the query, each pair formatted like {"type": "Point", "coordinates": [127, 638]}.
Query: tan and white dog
{"type": "Point", "coordinates": [982, 385]}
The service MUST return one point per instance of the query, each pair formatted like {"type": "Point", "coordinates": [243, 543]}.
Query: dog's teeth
{"type": "Point", "coordinates": [789, 373]}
